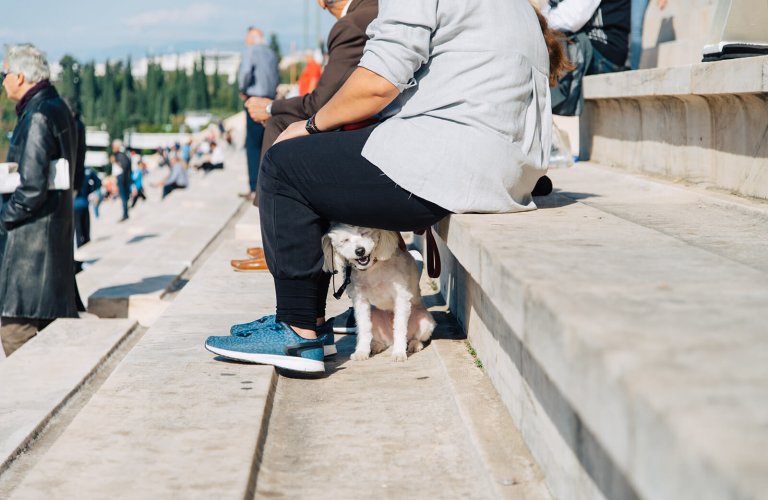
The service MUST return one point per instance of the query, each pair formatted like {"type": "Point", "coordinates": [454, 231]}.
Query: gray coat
{"type": "Point", "coordinates": [471, 130]}
{"type": "Point", "coordinates": [37, 271]}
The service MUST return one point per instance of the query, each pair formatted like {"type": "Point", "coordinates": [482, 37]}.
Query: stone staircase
{"type": "Point", "coordinates": [620, 329]}
{"type": "Point", "coordinates": [623, 323]}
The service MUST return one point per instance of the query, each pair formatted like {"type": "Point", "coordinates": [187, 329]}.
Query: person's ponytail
{"type": "Point", "coordinates": [558, 60]}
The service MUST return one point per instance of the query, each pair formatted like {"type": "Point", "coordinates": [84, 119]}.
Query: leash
{"type": "Point", "coordinates": [337, 294]}
{"type": "Point", "coordinates": [434, 266]}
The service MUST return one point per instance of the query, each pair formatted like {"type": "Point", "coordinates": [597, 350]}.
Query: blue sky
{"type": "Point", "coordinates": [97, 29]}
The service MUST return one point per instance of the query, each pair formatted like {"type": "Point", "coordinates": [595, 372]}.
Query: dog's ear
{"type": "Point", "coordinates": [387, 245]}
{"type": "Point", "coordinates": [328, 257]}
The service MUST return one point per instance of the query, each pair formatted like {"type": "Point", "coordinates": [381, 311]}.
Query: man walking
{"type": "Point", "coordinates": [346, 42]}
{"type": "Point", "coordinates": [37, 282]}
{"type": "Point", "coordinates": [124, 177]}
{"type": "Point", "coordinates": [258, 78]}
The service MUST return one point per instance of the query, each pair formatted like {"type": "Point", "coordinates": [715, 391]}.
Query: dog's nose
{"type": "Point", "coordinates": [360, 251]}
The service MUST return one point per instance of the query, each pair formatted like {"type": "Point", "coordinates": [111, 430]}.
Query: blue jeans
{"type": "Point", "coordinates": [600, 64]}
{"type": "Point", "coordinates": [636, 32]}
{"type": "Point", "coordinates": [254, 135]}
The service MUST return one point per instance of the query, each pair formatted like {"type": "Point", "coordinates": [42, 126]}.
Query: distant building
{"type": "Point", "coordinates": [227, 62]}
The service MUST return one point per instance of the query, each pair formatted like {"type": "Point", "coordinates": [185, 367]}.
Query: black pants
{"type": "Point", "coordinates": [169, 188]}
{"type": "Point", "coordinates": [82, 226]}
{"type": "Point", "coordinates": [139, 194]}
{"type": "Point", "coordinates": [306, 184]}
{"type": "Point", "coordinates": [254, 135]}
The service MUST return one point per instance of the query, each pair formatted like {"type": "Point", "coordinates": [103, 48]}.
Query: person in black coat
{"type": "Point", "coordinates": [36, 223]}
{"type": "Point", "coordinates": [123, 176]}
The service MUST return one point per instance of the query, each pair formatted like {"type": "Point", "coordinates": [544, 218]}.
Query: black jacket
{"type": "Point", "coordinates": [125, 163]}
{"type": "Point", "coordinates": [36, 225]}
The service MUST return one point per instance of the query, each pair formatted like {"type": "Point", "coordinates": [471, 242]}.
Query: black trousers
{"type": "Point", "coordinates": [82, 226]}
{"type": "Point", "coordinates": [307, 183]}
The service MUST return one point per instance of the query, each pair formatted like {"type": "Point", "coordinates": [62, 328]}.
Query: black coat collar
{"type": "Point", "coordinates": [42, 90]}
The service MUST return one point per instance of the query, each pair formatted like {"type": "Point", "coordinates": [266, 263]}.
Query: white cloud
{"type": "Point", "coordinates": [194, 14]}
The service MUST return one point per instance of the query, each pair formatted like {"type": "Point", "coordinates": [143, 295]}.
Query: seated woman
{"type": "Point", "coordinates": [463, 90]}
{"type": "Point", "coordinates": [177, 178]}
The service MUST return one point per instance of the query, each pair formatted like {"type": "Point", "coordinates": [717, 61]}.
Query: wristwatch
{"type": "Point", "coordinates": [311, 127]}
{"type": "Point", "coordinates": [268, 109]}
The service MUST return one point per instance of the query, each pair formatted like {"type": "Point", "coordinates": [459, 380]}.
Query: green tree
{"type": "Point", "coordinates": [68, 83]}
{"type": "Point", "coordinates": [274, 44]}
{"type": "Point", "coordinates": [89, 93]}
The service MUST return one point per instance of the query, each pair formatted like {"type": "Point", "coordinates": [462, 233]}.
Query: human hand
{"type": "Point", "coordinates": [295, 129]}
{"type": "Point", "coordinates": [257, 108]}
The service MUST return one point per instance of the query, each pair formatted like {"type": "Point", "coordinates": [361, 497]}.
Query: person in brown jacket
{"type": "Point", "coordinates": [345, 48]}
{"type": "Point", "coordinates": [346, 42]}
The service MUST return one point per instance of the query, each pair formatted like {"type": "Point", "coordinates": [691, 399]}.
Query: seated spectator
{"type": "Point", "coordinates": [177, 178]}
{"type": "Point", "coordinates": [598, 42]}
{"type": "Point", "coordinates": [310, 75]}
{"type": "Point", "coordinates": [461, 135]}
{"type": "Point", "coordinates": [215, 160]}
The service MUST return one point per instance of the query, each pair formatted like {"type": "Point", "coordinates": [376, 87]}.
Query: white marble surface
{"type": "Point", "coordinates": [42, 375]}
{"type": "Point", "coordinates": [136, 262]}
{"type": "Point", "coordinates": [632, 316]}
{"type": "Point", "coordinates": [738, 76]}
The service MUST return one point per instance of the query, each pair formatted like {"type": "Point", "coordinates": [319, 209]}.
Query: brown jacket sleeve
{"type": "Point", "coordinates": [345, 48]}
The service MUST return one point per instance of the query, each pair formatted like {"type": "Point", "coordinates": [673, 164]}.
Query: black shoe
{"type": "Point", "coordinates": [543, 187]}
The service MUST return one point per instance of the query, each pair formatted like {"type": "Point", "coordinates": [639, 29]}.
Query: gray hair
{"type": "Point", "coordinates": [28, 60]}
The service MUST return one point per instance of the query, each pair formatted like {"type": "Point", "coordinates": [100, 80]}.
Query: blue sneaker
{"type": "Point", "coordinates": [244, 329]}
{"type": "Point", "coordinates": [324, 334]}
{"type": "Point", "coordinates": [272, 344]}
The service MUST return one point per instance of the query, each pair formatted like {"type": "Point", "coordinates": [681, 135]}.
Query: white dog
{"type": "Point", "coordinates": [387, 278]}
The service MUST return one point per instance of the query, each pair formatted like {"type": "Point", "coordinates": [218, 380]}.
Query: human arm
{"type": "Point", "coordinates": [34, 166]}
{"type": "Point", "coordinates": [570, 15]}
{"type": "Point", "coordinates": [345, 47]}
{"type": "Point", "coordinates": [399, 46]}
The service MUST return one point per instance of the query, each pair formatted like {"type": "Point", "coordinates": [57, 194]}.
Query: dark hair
{"type": "Point", "coordinates": [558, 60]}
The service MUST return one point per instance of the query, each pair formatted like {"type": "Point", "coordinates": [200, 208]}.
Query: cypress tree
{"type": "Point", "coordinates": [89, 93]}
{"type": "Point", "coordinates": [68, 83]}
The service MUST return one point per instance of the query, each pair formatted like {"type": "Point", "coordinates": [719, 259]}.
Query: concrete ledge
{"type": "Point", "coordinates": [704, 124]}
{"type": "Point", "coordinates": [627, 342]}
{"type": "Point", "coordinates": [737, 76]}
{"type": "Point", "coordinates": [43, 374]}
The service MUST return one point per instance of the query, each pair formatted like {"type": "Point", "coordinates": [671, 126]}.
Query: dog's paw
{"type": "Point", "coordinates": [360, 355]}
{"type": "Point", "coordinates": [378, 347]}
{"type": "Point", "coordinates": [399, 357]}
{"type": "Point", "coordinates": [415, 346]}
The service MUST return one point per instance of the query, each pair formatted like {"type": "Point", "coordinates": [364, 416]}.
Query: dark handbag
{"type": "Point", "coordinates": [568, 94]}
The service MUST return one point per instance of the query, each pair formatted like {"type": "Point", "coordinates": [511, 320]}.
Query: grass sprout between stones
{"type": "Point", "coordinates": [473, 353]}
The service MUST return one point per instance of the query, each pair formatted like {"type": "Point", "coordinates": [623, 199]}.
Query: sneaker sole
{"type": "Point", "coordinates": [287, 362]}
{"type": "Point", "coordinates": [349, 330]}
